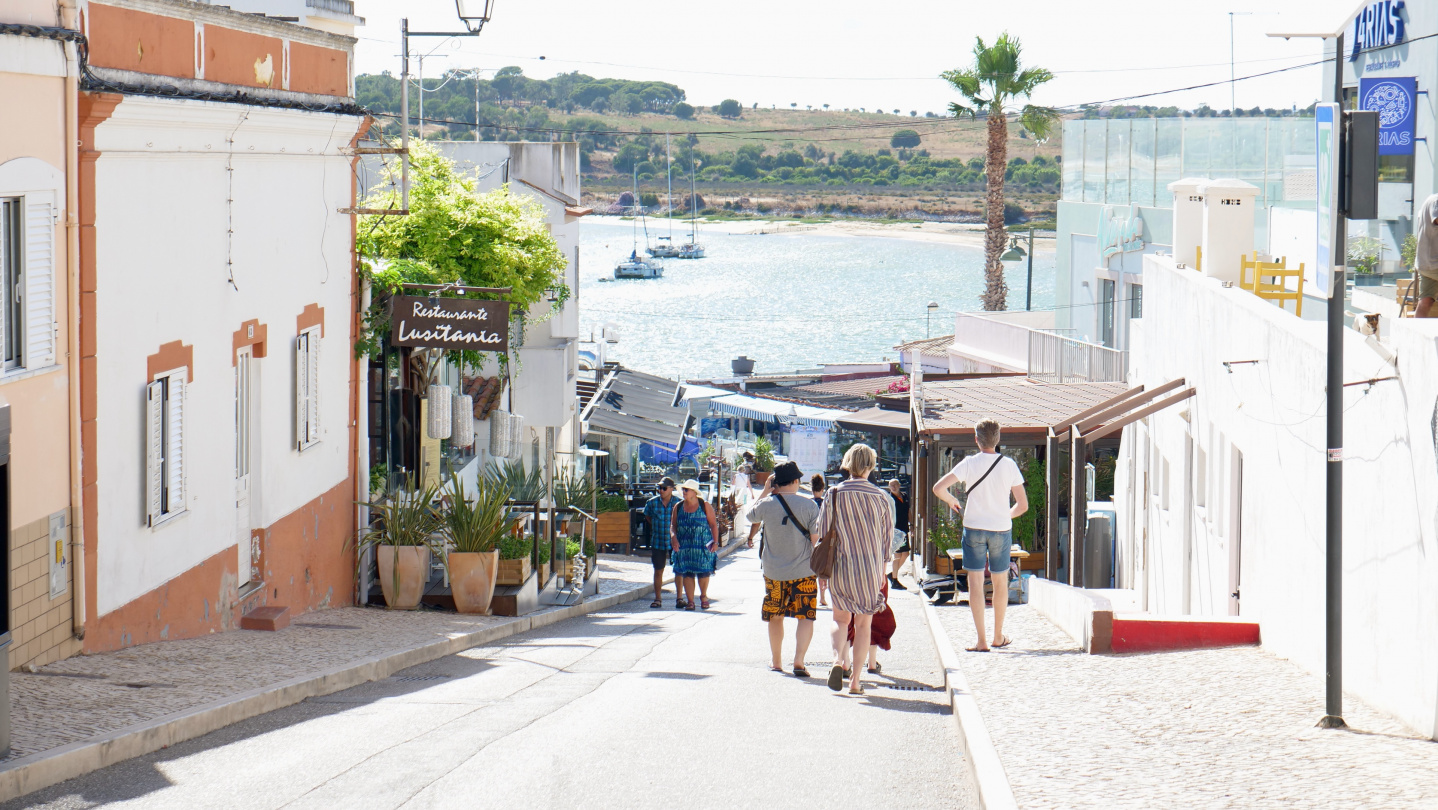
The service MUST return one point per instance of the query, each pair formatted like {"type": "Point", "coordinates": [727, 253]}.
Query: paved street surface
{"type": "Point", "coordinates": [78, 698]}
{"type": "Point", "coordinates": [627, 708]}
{"type": "Point", "coordinates": [1203, 728]}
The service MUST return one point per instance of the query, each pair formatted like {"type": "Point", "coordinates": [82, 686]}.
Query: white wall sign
{"type": "Point", "coordinates": [1120, 230]}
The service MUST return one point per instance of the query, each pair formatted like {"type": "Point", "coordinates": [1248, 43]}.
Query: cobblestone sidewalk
{"type": "Point", "coordinates": [86, 696]}
{"type": "Point", "coordinates": [1218, 728]}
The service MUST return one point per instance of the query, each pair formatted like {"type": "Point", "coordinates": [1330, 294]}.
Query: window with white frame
{"type": "Point", "coordinates": [165, 446]}
{"type": "Point", "coordinates": [307, 388]}
{"type": "Point", "coordinates": [27, 282]}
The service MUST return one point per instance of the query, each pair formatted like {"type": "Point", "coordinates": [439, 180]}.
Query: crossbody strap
{"type": "Point", "coordinates": [985, 475]}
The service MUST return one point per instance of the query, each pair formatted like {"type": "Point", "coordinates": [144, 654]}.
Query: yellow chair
{"type": "Point", "coordinates": [1269, 284]}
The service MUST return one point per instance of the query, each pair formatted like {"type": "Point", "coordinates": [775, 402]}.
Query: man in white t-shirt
{"type": "Point", "coordinates": [1425, 222]}
{"type": "Point", "coordinates": [989, 479]}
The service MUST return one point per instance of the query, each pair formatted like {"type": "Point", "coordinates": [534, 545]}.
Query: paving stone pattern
{"type": "Point", "coordinates": [1221, 728]}
{"type": "Point", "coordinates": [85, 696]}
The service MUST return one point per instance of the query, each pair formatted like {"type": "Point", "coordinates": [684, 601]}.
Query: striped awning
{"type": "Point", "coordinates": [637, 406]}
{"type": "Point", "coordinates": [773, 410]}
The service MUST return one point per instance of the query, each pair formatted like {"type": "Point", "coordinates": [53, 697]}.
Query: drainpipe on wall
{"type": "Point", "coordinates": [69, 18]}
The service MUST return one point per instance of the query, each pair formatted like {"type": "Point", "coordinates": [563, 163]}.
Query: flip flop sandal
{"type": "Point", "coordinates": [836, 678]}
{"type": "Point", "coordinates": [858, 691]}
{"type": "Point", "coordinates": [1006, 642]}
{"type": "Point", "coordinates": [779, 670]}
{"type": "Point", "coordinates": [977, 649]}
{"type": "Point", "coordinates": [800, 672]}
{"type": "Point", "coordinates": [876, 669]}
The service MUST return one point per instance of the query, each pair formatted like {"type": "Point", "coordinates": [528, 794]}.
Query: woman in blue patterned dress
{"type": "Point", "coordinates": [694, 537]}
{"type": "Point", "coordinates": [863, 515]}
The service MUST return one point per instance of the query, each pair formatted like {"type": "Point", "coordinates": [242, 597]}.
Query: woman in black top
{"type": "Point", "coordinates": [901, 532]}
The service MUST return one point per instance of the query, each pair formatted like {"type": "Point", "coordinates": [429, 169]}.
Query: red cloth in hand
{"type": "Point", "coordinates": [881, 630]}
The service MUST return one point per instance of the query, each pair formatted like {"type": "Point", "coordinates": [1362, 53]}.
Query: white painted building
{"type": "Point", "coordinates": [1221, 500]}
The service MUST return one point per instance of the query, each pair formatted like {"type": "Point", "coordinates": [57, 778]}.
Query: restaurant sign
{"type": "Point", "coordinates": [452, 324]}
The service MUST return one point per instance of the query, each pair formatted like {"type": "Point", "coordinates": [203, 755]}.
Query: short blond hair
{"type": "Point", "coordinates": [987, 433]}
{"type": "Point", "coordinates": [859, 460]}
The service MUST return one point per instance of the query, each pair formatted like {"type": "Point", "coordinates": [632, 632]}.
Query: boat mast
{"type": "Point", "coordinates": [669, 161]}
{"type": "Point", "coordinates": [693, 208]}
{"type": "Point", "coordinates": [634, 222]}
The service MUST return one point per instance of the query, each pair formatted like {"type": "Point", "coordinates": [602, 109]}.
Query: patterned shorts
{"type": "Point", "coordinates": [794, 598]}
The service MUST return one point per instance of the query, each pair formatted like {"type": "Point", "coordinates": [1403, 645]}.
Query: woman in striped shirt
{"type": "Point", "coordinates": [863, 515]}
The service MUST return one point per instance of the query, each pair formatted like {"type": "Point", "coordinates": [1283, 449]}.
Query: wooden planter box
{"type": "Point", "coordinates": [513, 572]}
{"type": "Point", "coordinates": [942, 565]}
{"type": "Point", "coordinates": [566, 568]}
{"type": "Point", "coordinates": [1034, 562]}
{"type": "Point", "coordinates": [613, 529]}
{"type": "Point", "coordinates": [543, 573]}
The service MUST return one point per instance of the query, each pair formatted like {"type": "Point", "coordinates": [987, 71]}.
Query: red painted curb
{"type": "Point", "coordinates": [1150, 635]}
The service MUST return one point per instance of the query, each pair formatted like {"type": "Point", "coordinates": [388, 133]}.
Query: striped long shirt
{"type": "Point", "coordinates": [864, 515]}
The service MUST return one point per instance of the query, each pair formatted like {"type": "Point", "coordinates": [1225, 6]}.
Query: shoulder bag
{"type": "Point", "coordinates": [821, 561]}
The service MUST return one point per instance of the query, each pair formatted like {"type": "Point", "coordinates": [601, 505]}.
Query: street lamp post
{"type": "Point", "coordinates": [932, 308]}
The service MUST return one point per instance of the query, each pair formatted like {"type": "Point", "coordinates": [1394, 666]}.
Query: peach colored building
{"type": "Point", "coordinates": [38, 409]}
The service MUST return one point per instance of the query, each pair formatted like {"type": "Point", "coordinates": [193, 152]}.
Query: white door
{"type": "Point", "coordinates": [242, 466]}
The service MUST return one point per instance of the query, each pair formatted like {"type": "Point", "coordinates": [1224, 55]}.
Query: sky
{"type": "Point", "coordinates": [878, 55]}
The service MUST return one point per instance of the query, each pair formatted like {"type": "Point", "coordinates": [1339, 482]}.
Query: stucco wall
{"type": "Point", "coordinates": [167, 270]}
{"type": "Point", "coordinates": [1272, 413]}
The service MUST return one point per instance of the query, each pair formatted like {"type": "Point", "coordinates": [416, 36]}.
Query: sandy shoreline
{"type": "Point", "coordinates": [970, 235]}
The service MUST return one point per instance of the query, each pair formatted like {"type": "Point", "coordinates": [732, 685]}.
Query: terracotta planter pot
{"type": "Point", "coordinates": [471, 579]}
{"type": "Point", "coordinates": [760, 478]}
{"type": "Point", "coordinates": [413, 573]}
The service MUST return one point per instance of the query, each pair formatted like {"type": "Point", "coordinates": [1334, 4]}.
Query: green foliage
{"type": "Point", "coordinates": [571, 548]}
{"type": "Point", "coordinates": [378, 478]}
{"type": "Point", "coordinates": [997, 81]}
{"type": "Point", "coordinates": [729, 108]}
{"type": "Point", "coordinates": [763, 455]}
{"type": "Point", "coordinates": [1409, 253]}
{"type": "Point", "coordinates": [573, 489]}
{"type": "Point", "coordinates": [612, 503]}
{"type": "Point", "coordinates": [478, 522]}
{"type": "Point", "coordinates": [946, 532]}
{"type": "Point", "coordinates": [406, 518]}
{"type": "Point", "coordinates": [683, 111]}
{"type": "Point", "coordinates": [1364, 254]}
{"type": "Point", "coordinates": [521, 485]}
{"type": "Point", "coordinates": [906, 138]}
{"type": "Point", "coordinates": [454, 235]}
{"type": "Point", "coordinates": [1036, 485]}
{"type": "Point", "coordinates": [513, 548]}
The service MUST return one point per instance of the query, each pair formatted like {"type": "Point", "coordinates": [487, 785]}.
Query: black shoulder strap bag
{"type": "Point", "coordinates": [790, 513]}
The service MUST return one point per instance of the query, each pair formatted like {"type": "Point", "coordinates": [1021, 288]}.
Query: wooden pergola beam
{"type": "Point", "coordinates": [1088, 424]}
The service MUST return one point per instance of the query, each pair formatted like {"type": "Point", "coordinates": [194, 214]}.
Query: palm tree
{"type": "Point", "coordinates": [993, 86]}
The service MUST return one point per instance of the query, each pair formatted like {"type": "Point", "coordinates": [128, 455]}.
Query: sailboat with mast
{"type": "Point", "coordinates": [692, 249]}
{"type": "Point", "coordinates": [636, 266]}
{"type": "Point", "coordinates": [665, 247]}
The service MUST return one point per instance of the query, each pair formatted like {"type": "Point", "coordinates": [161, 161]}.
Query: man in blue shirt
{"type": "Point", "coordinates": [659, 514]}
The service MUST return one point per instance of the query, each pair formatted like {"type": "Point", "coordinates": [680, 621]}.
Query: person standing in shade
{"type": "Point", "coordinates": [1425, 224]}
{"type": "Point", "coordinates": [817, 486]}
{"type": "Point", "coordinates": [787, 519]}
{"type": "Point", "coordinates": [694, 538]}
{"type": "Point", "coordinates": [901, 533]}
{"type": "Point", "coordinates": [862, 515]}
{"type": "Point", "coordinates": [659, 513]}
{"type": "Point", "coordinates": [990, 480]}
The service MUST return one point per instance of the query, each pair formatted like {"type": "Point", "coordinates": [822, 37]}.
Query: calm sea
{"type": "Point", "coordinates": [789, 302]}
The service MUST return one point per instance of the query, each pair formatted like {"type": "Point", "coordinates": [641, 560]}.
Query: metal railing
{"type": "Point", "coordinates": [1055, 358]}
{"type": "Point", "coordinates": [341, 6]}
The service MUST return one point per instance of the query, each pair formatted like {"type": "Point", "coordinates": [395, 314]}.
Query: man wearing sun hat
{"type": "Point", "coordinates": [658, 513]}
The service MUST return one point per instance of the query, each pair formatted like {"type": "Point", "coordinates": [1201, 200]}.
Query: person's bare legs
{"type": "Point", "coordinates": [704, 589]}
{"type": "Point", "coordinates": [840, 635]}
{"type": "Point", "coordinates": [899, 560]}
{"type": "Point", "coordinates": [659, 585]}
{"type": "Point", "coordinates": [976, 604]}
{"type": "Point", "coordinates": [1424, 305]}
{"type": "Point", "coordinates": [873, 657]}
{"type": "Point", "coordinates": [1001, 601]}
{"type": "Point", "coordinates": [823, 587]}
{"type": "Point", "coordinates": [776, 640]}
{"type": "Point", "coordinates": [802, 637]}
{"type": "Point", "coordinates": [689, 589]}
{"type": "Point", "coordinates": [863, 622]}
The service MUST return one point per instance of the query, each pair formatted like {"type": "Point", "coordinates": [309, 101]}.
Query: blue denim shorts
{"type": "Point", "coordinates": [983, 547]}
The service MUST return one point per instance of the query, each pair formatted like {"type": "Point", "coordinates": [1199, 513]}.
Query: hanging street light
{"type": "Point", "coordinates": [474, 13]}
{"type": "Point", "coordinates": [1015, 251]}
{"type": "Point", "coordinates": [933, 307]}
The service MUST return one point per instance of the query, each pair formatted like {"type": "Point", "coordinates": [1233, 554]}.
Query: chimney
{"type": "Point", "coordinates": [1187, 219]}
{"type": "Point", "coordinates": [1228, 211]}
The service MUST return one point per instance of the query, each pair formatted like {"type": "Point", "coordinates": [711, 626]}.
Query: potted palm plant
{"type": "Point", "coordinates": [763, 460]}
{"type": "Point", "coordinates": [402, 537]}
{"type": "Point", "coordinates": [474, 527]}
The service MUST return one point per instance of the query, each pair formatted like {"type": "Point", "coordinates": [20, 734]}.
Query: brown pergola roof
{"type": "Point", "coordinates": [1024, 407]}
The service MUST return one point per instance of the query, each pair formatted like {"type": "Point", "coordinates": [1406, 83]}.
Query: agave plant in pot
{"type": "Point", "coordinates": [473, 527]}
{"type": "Point", "coordinates": [402, 538]}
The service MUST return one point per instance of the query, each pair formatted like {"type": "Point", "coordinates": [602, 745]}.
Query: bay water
{"type": "Point", "coordinates": [788, 301]}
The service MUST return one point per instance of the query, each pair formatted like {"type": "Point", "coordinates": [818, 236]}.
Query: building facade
{"type": "Point", "coordinates": [218, 293]}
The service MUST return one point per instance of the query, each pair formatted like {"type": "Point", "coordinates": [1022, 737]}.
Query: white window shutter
{"type": "Point", "coordinates": [313, 385]}
{"type": "Point", "coordinates": [39, 283]}
{"type": "Point", "coordinates": [154, 450]}
{"type": "Point", "coordinates": [175, 442]}
{"type": "Point", "coordinates": [302, 394]}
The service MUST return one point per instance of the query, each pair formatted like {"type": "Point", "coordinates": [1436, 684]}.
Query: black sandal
{"type": "Point", "coordinates": [656, 604]}
{"type": "Point", "coordinates": [800, 672]}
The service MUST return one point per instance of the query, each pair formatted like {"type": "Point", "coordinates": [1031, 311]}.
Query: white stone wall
{"type": "Point", "coordinates": [1178, 550]}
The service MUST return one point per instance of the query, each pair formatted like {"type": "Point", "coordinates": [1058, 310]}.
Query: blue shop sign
{"type": "Point", "coordinates": [1393, 100]}
{"type": "Point", "coordinates": [1378, 25]}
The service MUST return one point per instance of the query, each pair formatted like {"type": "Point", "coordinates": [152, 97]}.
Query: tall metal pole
{"type": "Point", "coordinates": [1333, 705]}
{"type": "Point", "coordinates": [1029, 290]}
{"type": "Point", "coordinates": [404, 106]}
{"type": "Point", "coordinates": [1232, 80]}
